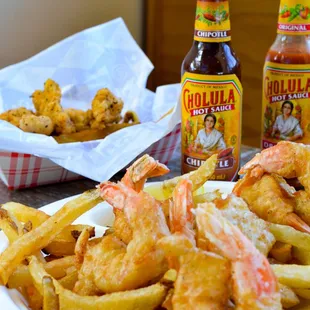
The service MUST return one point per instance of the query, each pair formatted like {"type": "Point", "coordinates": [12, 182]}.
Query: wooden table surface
{"type": "Point", "coordinates": [39, 196]}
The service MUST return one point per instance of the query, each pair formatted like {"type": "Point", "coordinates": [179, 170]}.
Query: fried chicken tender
{"type": "Point", "coordinates": [106, 109]}
{"type": "Point", "coordinates": [63, 123]}
{"type": "Point", "coordinates": [81, 119]}
{"type": "Point", "coordinates": [36, 124]}
{"type": "Point", "coordinates": [48, 100]}
{"type": "Point", "coordinates": [51, 119]}
{"type": "Point", "coordinates": [14, 116]}
{"type": "Point", "coordinates": [47, 103]}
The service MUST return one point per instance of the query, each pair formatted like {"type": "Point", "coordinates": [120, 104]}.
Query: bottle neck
{"type": "Point", "coordinates": [212, 22]}
{"type": "Point", "coordinates": [206, 45]}
{"type": "Point", "coordinates": [294, 18]}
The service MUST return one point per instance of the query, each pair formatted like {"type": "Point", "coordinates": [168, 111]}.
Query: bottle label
{"type": "Point", "coordinates": [294, 17]}
{"type": "Point", "coordinates": [286, 104]}
{"type": "Point", "coordinates": [211, 122]}
{"type": "Point", "coordinates": [212, 22]}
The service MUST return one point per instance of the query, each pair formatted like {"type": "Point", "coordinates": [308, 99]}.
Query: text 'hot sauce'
{"type": "Point", "coordinates": [286, 80]}
{"type": "Point", "coordinates": [211, 98]}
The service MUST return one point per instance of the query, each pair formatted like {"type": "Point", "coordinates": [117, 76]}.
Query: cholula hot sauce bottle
{"type": "Point", "coordinates": [211, 96]}
{"type": "Point", "coordinates": [286, 80]}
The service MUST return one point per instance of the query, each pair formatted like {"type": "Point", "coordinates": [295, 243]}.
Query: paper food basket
{"type": "Point", "coordinates": [81, 65]}
{"type": "Point", "coordinates": [18, 171]}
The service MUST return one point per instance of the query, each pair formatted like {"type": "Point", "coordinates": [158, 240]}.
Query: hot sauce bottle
{"type": "Point", "coordinates": [286, 80]}
{"type": "Point", "coordinates": [211, 98]}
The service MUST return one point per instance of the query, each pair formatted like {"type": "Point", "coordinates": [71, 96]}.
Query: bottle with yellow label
{"type": "Point", "coordinates": [286, 80]}
{"type": "Point", "coordinates": [211, 99]}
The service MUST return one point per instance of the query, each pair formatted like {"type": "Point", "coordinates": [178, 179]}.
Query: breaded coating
{"type": "Point", "coordinates": [14, 116]}
{"type": "Point", "coordinates": [106, 109]}
{"type": "Point", "coordinates": [48, 100]}
{"type": "Point", "coordinates": [36, 124]}
{"type": "Point", "coordinates": [62, 123]}
{"type": "Point", "coordinates": [81, 119]}
{"type": "Point", "coordinates": [47, 103]}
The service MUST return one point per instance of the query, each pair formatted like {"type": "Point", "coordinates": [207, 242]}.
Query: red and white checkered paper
{"type": "Point", "coordinates": [19, 171]}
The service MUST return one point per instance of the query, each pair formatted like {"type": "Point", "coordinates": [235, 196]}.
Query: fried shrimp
{"type": "Point", "coordinates": [254, 283]}
{"type": "Point", "coordinates": [202, 276]}
{"type": "Point", "coordinates": [96, 254]}
{"type": "Point", "coordinates": [142, 169]}
{"type": "Point", "coordinates": [270, 201]}
{"type": "Point", "coordinates": [135, 178]}
{"type": "Point", "coordinates": [287, 159]}
{"type": "Point", "coordinates": [302, 205]}
{"type": "Point", "coordinates": [142, 262]}
{"type": "Point", "coordinates": [106, 109]}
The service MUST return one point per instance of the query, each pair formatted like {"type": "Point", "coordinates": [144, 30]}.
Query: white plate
{"type": "Point", "coordinates": [100, 217]}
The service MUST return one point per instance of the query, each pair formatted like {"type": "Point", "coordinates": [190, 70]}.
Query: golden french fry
{"type": "Point", "coordinates": [167, 303]}
{"type": "Point", "coordinates": [169, 277]}
{"type": "Point", "coordinates": [198, 177]}
{"type": "Point", "coordinates": [60, 248]}
{"type": "Point", "coordinates": [45, 233]}
{"type": "Point", "coordinates": [282, 252]}
{"type": "Point", "coordinates": [56, 268]}
{"type": "Point", "coordinates": [290, 235]}
{"type": "Point", "coordinates": [304, 305]}
{"type": "Point", "coordinates": [207, 197]}
{"type": "Point", "coordinates": [149, 297]}
{"type": "Point", "coordinates": [35, 299]}
{"type": "Point", "coordinates": [303, 292]}
{"type": "Point", "coordinates": [64, 243]}
{"type": "Point", "coordinates": [69, 280]}
{"type": "Point", "coordinates": [92, 134]}
{"type": "Point", "coordinates": [24, 214]}
{"type": "Point", "coordinates": [20, 277]}
{"type": "Point", "coordinates": [50, 298]}
{"type": "Point", "coordinates": [144, 298]}
{"type": "Point", "coordinates": [303, 256]}
{"type": "Point", "coordinates": [288, 297]}
{"type": "Point", "coordinates": [131, 116]}
{"type": "Point", "coordinates": [13, 229]}
{"type": "Point", "coordinates": [8, 226]}
{"type": "Point", "coordinates": [294, 276]}
{"type": "Point", "coordinates": [81, 246]}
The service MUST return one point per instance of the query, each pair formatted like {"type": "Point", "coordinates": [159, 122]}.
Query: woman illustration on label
{"type": "Point", "coordinates": [209, 139]}
{"type": "Point", "coordinates": [286, 125]}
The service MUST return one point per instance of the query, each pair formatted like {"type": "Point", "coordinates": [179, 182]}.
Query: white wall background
{"type": "Point", "coordinates": [29, 26]}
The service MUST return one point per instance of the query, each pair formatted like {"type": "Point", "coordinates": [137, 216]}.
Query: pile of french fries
{"type": "Point", "coordinates": [41, 258]}
{"type": "Point", "coordinates": [43, 254]}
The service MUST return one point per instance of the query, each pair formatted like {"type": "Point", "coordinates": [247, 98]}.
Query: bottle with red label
{"type": "Point", "coordinates": [286, 80]}
{"type": "Point", "coordinates": [211, 99]}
